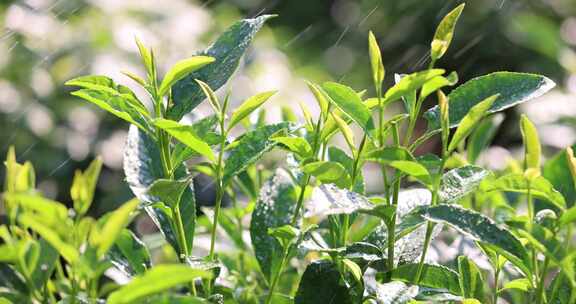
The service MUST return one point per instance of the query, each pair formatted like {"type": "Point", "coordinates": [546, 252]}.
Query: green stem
{"type": "Point", "coordinates": [395, 196]}
{"type": "Point", "coordinates": [540, 294]}
{"type": "Point", "coordinates": [496, 278]}
{"type": "Point", "coordinates": [277, 277]}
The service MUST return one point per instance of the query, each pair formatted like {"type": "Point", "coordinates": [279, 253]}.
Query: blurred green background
{"type": "Point", "coordinates": [43, 43]}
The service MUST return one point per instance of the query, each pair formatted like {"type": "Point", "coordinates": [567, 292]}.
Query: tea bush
{"type": "Point", "coordinates": [315, 236]}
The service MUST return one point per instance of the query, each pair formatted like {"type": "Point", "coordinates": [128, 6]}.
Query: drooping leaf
{"type": "Point", "coordinates": [345, 130]}
{"type": "Point", "coordinates": [539, 187]}
{"type": "Point", "coordinates": [514, 88]}
{"type": "Point", "coordinates": [275, 207]}
{"type": "Point", "coordinates": [444, 33]}
{"type": "Point", "coordinates": [378, 71]}
{"type": "Point", "coordinates": [142, 167]}
{"type": "Point", "coordinates": [471, 282]}
{"type": "Point", "coordinates": [249, 148]}
{"type": "Point", "coordinates": [187, 135]}
{"type": "Point", "coordinates": [227, 51]}
{"type": "Point", "coordinates": [157, 279]}
{"type": "Point", "coordinates": [482, 136]}
{"type": "Point", "coordinates": [532, 149]}
{"type": "Point", "coordinates": [460, 182]}
{"type": "Point", "coordinates": [248, 106]}
{"type": "Point", "coordinates": [129, 254]}
{"type": "Point", "coordinates": [321, 283]}
{"type": "Point", "coordinates": [328, 172]}
{"type": "Point", "coordinates": [181, 69]}
{"type": "Point", "coordinates": [470, 121]}
{"type": "Point", "coordinates": [433, 276]}
{"type": "Point", "coordinates": [346, 99]}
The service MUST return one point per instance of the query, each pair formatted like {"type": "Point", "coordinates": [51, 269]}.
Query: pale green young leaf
{"type": "Point", "coordinates": [346, 99]}
{"type": "Point", "coordinates": [532, 148]}
{"type": "Point", "coordinates": [285, 235]}
{"type": "Point", "coordinates": [211, 96]}
{"type": "Point", "coordinates": [158, 279]}
{"type": "Point", "coordinates": [345, 130]}
{"type": "Point", "coordinates": [329, 173]}
{"type": "Point", "coordinates": [409, 84]}
{"type": "Point", "coordinates": [248, 106]}
{"type": "Point", "coordinates": [129, 254]}
{"type": "Point", "coordinates": [353, 269]}
{"type": "Point", "coordinates": [297, 145]}
{"type": "Point", "coordinates": [113, 226]}
{"type": "Point", "coordinates": [84, 185]}
{"type": "Point", "coordinates": [169, 191]}
{"type": "Point", "coordinates": [413, 169]}
{"type": "Point", "coordinates": [147, 58]}
{"type": "Point", "coordinates": [482, 136]}
{"type": "Point", "coordinates": [470, 121]}
{"type": "Point", "coordinates": [378, 71]}
{"type": "Point", "coordinates": [180, 70]}
{"type": "Point", "coordinates": [320, 97]}
{"type": "Point", "coordinates": [568, 217]}
{"type": "Point", "coordinates": [186, 135]}
{"type": "Point", "coordinates": [520, 284]}
{"type": "Point", "coordinates": [307, 115]}
{"type": "Point", "coordinates": [135, 78]}
{"type": "Point", "coordinates": [68, 252]}
{"type": "Point", "coordinates": [444, 33]}
{"type": "Point", "coordinates": [471, 282]}
{"type": "Point", "coordinates": [437, 83]}
{"type": "Point", "coordinates": [387, 155]}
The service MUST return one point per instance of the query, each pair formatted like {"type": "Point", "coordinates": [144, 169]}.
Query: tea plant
{"type": "Point", "coordinates": [315, 235]}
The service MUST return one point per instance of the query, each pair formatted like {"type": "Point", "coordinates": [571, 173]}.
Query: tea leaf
{"type": "Point", "coordinates": [248, 106]}
{"type": "Point", "coordinates": [45, 265]}
{"type": "Point", "coordinates": [414, 169]}
{"type": "Point", "coordinates": [337, 155]}
{"type": "Point", "coordinates": [539, 187]}
{"type": "Point", "coordinates": [514, 88]}
{"type": "Point", "coordinates": [114, 224]}
{"type": "Point", "coordinates": [275, 207]}
{"type": "Point", "coordinates": [444, 33]}
{"type": "Point", "coordinates": [297, 145]}
{"type": "Point", "coordinates": [328, 172]}
{"type": "Point", "coordinates": [471, 282]}
{"type": "Point", "coordinates": [346, 99]}
{"type": "Point", "coordinates": [249, 148]}
{"type": "Point", "coordinates": [211, 96]}
{"type": "Point", "coordinates": [155, 280]}
{"type": "Point", "coordinates": [227, 51]}
{"type": "Point", "coordinates": [187, 136]}
{"type": "Point", "coordinates": [285, 235]}
{"type": "Point", "coordinates": [560, 290]}
{"type": "Point", "coordinates": [433, 276]}
{"type": "Point", "coordinates": [129, 254]}
{"type": "Point", "coordinates": [169, 191]}
{"type": "Point", "coordinates": [378, 71]}
{"type": "Point", "coordinates": [327, 199]}
{"type": "Point", "coordinates": [320, 97]}
{"type": "Point", "coordinates": [387, 155]}
{"type": "Point", "coordinates": [410, 83]}
{"type": "Point", "coordinates": [470, 121]}
{"type": "Point", "coordinates": [205, 126]}
{"type": "Point", "coordinates": [84, 185]}
{"type": "Point", "coordinates": [520, 284]}
{"type": "Point", "coordinates": [147, 59]}
{"type": "Point", "coordinates": [437, 83]}
{"type": "Point", "coordinates": [482, 136]}
{"type": "Point", "coordinates": [532, 149]}
{"type": "Point", "coordinates": [345, 130]}
{"type": "Point", "coordinates": [460, 182]}
{"type": "Point", "coordinates": [180, 70]}
{"type": "Point", "coordinates": [353, 269]}
{"type": "Point", "coordinates": [321, 281]}
{"type": "Point", "coordinates": [394, 292]}
{"type": "Point", "coordinates": [67, 251]}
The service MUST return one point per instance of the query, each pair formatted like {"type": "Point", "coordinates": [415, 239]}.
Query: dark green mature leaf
{"type": "Point", "coordinates": [227, 51]}
{"type": "Point", "coordinates": [328, 199]}
{"type": "Point", "coordinates": [155, 280]}
{"type": "Point", "coordinates": [555, 172]}
{"type": "Point", "coordinates": [169, 191]}
{"type": "Point", "coordinates": [142, 167]}
{"type": "Point", "coordinates": [10, 279]}
{"type": "Point", "coordinates": [482, 136]}
{"type": "Point", "coordinates": [394, 292]}
{"type": "Point", "coordinates": [480, 228]}
{"type": "Point", "coordinates": [129, 254]}
{"type": "Point", "coordinates": [560, 290]}
{"type": "Point", "coordinates": [434, 276]}
{"type": "Point", "coordinates": [249, 148]}
{"type": "Point", "coordinates": [328, 172]}
{"type": "Point", "coordinates": [444, 33]}
{"type": "Point", "coordinates": [539, 187]}
{"type": "Point", "coordinates": [275, 207]}
{"type": "Point", "coordinates": [514, 88]}
{"type": "Point", "coordinates": [460, 182]}
{"type": "Point", "coordinates": [348, 101]}
{"type": "Point", "coordinates": [471, 282]}
{"type": "Point", "coordinates": [44, 265]}
{"type": "Point", "coordinates": [321, 283]}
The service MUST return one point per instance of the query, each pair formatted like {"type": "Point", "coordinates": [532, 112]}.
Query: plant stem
{"type": "Point", "coordinates": [540, 295]}
{"type": "Point", "coordinates": [277, 276]}
{"type": "Point", "coordinates": [496, 278]}
{"type": "Point", "coordinates": [395, 195]}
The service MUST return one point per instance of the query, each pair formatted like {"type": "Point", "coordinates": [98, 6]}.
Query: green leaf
{"type": "Point", "coordinates": [480, 228]}
{"type": "Point", "coordinates": [113, 226]}
{"type": "Point", "coordinates": [470, 121]}
{"type": "Point", "coordinates": [514, 88]}
{"type": "Point", "coordinates": [437, 83]}
{"type": "Point", "coordinates": [129, 254]}
{"type": "Point", "coordinates": [413, 169]}
{"type": "Point", "coordinates": [353, 269]}
{"type": "Point", "coordinates": [142, 167]}
{"type": "Point", "coordinates": [539, 187]}
{"type": "Point", "coordinates": [297, 145]}
{"type": "Point", "coordinates": [147, 59]}
{"type": "Point", "coordinates": [285, 235]}
{"type": "Point", "coordinates": [532, 149]}
{"type": "Point", "coordinates": [68, 252]}
{"type": "Point", "coordinates": [410, 83]}
{"type": "Point", "coordinates": [321, 282]}
{"type": "Point", "coordinates": [522, 284]}
{"type": "Point", "coordinates": [482, 136]}
{"type": "Point", "coordinates": [248, 106]}
{"type": "Point", "coordinates": [471, 282]}
{"type": "Point", "coordinates": [275, 207]}
{"type": "Point", "coordinates": [181, 69]}
{"type": "Point", "coordinates": [568, 217]}
{"type": "Point", "coordinates": [45, 265]}
{"type": "Point", "coordinates": [394, 292]}
{"type": "Point", "coordinates": [211, 96]}
{"type": "Point", "coordinates": [378, 71]}
{"type": "Point", "coordinates": [205, 126]}
{"type": "Point", "coordinates": [555, 172]}
{"type": "Point", "coordinates": [328, 199]}
{"type": "Point", "coordinates": [433, 276]}
{"type": "Point", "coordinates": [227, 51]}
{"type": "Point", "coordinates": [560, 290]}
{"type": "Point", "coordinates": [84, 185]}
{"type": "Point", "coordinates": [157, 279]}
{"type": "Point", "coordinates": [337, 155]}
{"type": "Point", "coordinates": [9, 253]}
{"type": "Point", "coordinates": [387, 155]}
{"type": "Point", "coordinates": [320, 97]}
{"type": "Point", "coordinates": [460, 182]}
{"type": "Point", "coordinates": [328, 172]}
{"type": "Point", "coordinates": [187, 135]}
{"type": "Point", "coordinates": [249, 148]}
{"type": "Point", "coordinates": [346, 131]}
{"type": "Point", "coordinates": [169, 191]}
{"type": "Point", "coordinates": [346, 99]}
{"type": "Point", "coordinates": [444, 33]}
